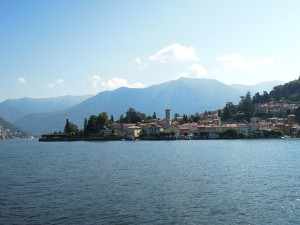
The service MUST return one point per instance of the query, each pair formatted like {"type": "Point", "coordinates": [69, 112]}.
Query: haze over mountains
{"type": "Point", "coordinates": [185, 95]}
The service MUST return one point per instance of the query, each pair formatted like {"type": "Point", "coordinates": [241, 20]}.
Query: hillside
{"type": "Point", "coordinates": [9, 131]}
{"type": "Point", "coordinates": [184, 95]}
{"type": "Point", "coordinates": [14, 109]}
{"type": "Point", "coordinates": [289, 91]}
{"type": "Point", "coordinates": [44, 105]}
{"type": "Point", "coordinates": [10, 113]}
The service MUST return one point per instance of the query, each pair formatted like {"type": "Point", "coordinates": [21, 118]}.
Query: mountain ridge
{"type": "Point", "coordinates": [185, 95]}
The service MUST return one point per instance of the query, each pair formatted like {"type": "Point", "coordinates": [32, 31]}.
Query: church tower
{"type": "Point", "coordinates": [168, 117]}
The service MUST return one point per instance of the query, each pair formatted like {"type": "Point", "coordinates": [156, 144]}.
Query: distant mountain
{"type": "Point", "coordinates": [44, 105]}
{"type": "Point", "coordinates": [184, 95]}
{"type": "Point", "coordinates": [14, 109]}
{"type": "Point", "coordinates": [10, 113]}
{"type": "Point", "coordinates": [260, 87]}
{"type": "Point", "coordinates": [9, 131]}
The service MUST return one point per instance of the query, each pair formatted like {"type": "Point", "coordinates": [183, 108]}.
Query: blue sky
{"type": "Point", "coordinates": [64, 47]}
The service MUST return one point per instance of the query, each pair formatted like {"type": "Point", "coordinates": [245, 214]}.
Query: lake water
{"type": "Point", "coordinates": [158, 182]}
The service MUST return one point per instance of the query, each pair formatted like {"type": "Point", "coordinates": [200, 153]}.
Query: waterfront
{"type": "Point", "coordinates": [144, 182]}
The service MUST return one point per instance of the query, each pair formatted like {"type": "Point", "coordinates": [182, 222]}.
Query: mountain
{"type": "Point", "coordinates": [10, 113]}
{"type": "Point", "coordinates": [260, 87]}
{"type": "Point", "coordinates": [14, 109]}
{"type": "Point", "coordinates": [185, 95]}
{"type": "Point", "coordinates": [44, 105]}
{"type": "Point", "coordinates": [9, 131]}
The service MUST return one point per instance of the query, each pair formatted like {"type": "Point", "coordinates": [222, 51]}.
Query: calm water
{"type": "Point", "coordinates": [182, 182]}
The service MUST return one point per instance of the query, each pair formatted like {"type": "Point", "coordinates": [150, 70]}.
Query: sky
{"type": "Point", "coordinates": [54, 48]}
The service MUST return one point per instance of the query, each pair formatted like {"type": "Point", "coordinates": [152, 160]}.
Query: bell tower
{"type": "Point", "coordinates": [168, 117]}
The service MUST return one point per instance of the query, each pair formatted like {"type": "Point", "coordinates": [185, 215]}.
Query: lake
{"type": "Point", "coordinates": [150, 182]}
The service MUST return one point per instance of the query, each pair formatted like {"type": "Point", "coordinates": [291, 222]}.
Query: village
{"type": "Point", "coordinates": [210, 127]}
{"type": "Point", "coordinates": [271, 120]}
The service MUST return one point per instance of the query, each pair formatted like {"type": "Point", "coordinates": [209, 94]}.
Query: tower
{"type": "Point", "coordinates": [168, 117]}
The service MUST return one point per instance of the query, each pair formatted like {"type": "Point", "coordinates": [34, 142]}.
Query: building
{"type": "Point", "coordinates": [133, 132]}
{"type": "Point", "coordinates": [153, 129]}
{"type": "Point", "coordinates": [174, 129]}
{"type": "Point", "coordinates": [168, 117]}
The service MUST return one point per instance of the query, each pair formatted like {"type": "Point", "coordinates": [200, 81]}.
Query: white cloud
{"type": "Point", "coordinates": [94, 81]}
{"type": "Point", "coordinates": [234, 62]}
{"type": "Point", "coordinates": [174, 52]}
{"type": "Point", "coordinates": [120, 82]}
{"type": "Point", "coordinates": [56, 83]}
{"type": "Point", "coordinates": [21, 81]}
{"type": "Point", "coordinates": [194, 71]}
{"type": "Point", "coordinates": [59, 81]}
{"type": "Point", "coordinates": [141, 64]}
{"type": "Point", "coordinates": [114, 83]}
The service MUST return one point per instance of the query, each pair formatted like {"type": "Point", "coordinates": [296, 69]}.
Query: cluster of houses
{"type": "Point", "coordinates": [6, 133]}
{"type": "Point", "coordinates": [211, 124]}
{"type": "Point", "coordinates": [275, 108]}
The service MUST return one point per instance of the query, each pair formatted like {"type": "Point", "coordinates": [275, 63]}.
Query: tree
{"type": "Point", "coordinates": [229, 111]}
{"type": "Point", "coordinates": [288, 112]}
{"type": "Point", "coordinates": [176, 115]}
{"type": "Point", "coordinates": [297, 114]}
{"type": "Point", "coordinates": [122, 118]}
{"type": "Point", "coordinates": [133, 116]}
{"type": "Point", "coordinates": [85, 124]}
{"type": "Point", "coordinates": [102, 120]}
{"type": "Point", "coordinates": [172, 133]}
{"type": "Point", "coordinates": [230, 133]}
{"type": "Point", "coordinates": [91, 127]}
{"type": "Point", "coordinates": [265, 97]}
{"type": "Point", "coordinates": [67, 127]}
{"type": "Point", "coordinates": [70, 128]}
{"type": "Point", "coordinates": [112, 119]}
{"type": "Point", "coordinates": [246, 105]}
{"type": "Point", "coordinates": [154, 116]}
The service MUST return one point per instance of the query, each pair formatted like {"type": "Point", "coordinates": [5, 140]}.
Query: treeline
{"type": "Point", "coordinates": [289, 91]}
{"type": "Point", "coordinates": [96, 123]}
{"type": "Point", "coordinates": [241, 112]}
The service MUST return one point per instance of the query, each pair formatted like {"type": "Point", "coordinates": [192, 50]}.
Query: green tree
{"type": "Point", "coordinates": [102, 121]}
{"type": "Point", "coordinates": [122, 119]}
{"type": "Point", "coordinates": [229, 111]}
{"type": "Point", "coordinates": [91, 127]}
{"type": "Point", "coordinates": [112, 119]}
{"type": "Point", "coordinates": [70, 128]}
{"type": "Point", "coordinates": [85, 124]}
{"type": "Point", "coordinates": [176, 115]}
{"type": "Point", "coordinates": [67, 127]}
{"type": "Point", "coordinates": [133, 116]}
{"type": "Point", "coordinates": [297, 114]}
{"type": "Point", "coordinates": [288, 112]}
{"type": "Point", "coordinates": [230, 133]}
{"type": "Point", "coordinates": [246, 105]}
{"type": "Point", "coordinates": [154, 115]}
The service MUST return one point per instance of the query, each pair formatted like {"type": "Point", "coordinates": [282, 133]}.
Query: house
{"type": "Point", "coordinates": [245, 129]}
{"type": "Point", "coordinates": [117, 128]}
{"type": "Point", "coordinates": [265, 125]}
{"type": "Point", "coordinates": [174, 129]}
{"type": "Point", "coordinates": [189, 127]}
{"type": "Point", "coordinates": [133, 132]}
{"type": "Point", "coordinates": [153, 129]}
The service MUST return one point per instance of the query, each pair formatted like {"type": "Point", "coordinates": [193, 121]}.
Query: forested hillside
{"type": "Point", "coordinates": [289, 91]}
